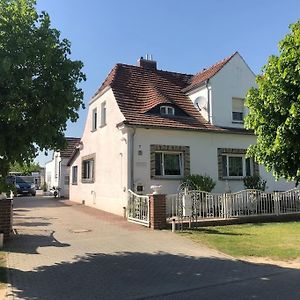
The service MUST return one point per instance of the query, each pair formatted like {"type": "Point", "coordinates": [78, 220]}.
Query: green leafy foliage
{"type": "Point", "coordinates": [275, 110]}
{"type": "Point", "coordinates": [255, 182]}
{"type": "Point", "coordinates": [38, 84]}
{"type": "Point", "coordinates": [26, 168]}
{"type": "Point", "coordinates": [199, 182]}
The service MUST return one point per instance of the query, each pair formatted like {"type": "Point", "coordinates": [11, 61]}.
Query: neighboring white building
{"type": "Point", "coordinates": [57, 171]}
{"type": "Point", "coordinates": [152, 127]}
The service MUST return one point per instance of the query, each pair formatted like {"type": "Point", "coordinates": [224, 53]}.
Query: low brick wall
{"type": "Point", "coordinates": [6, 217]}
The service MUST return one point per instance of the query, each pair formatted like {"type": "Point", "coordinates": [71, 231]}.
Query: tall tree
{"type": "Point", "coordinates": [275, 110]}
{"type": "Point", "coordinates": [38, 84]}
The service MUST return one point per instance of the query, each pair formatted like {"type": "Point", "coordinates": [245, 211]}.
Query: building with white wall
{"type": "Point", "coordinates": [57, 171]}
{"type": "Point", "coordinates": [151, 127]}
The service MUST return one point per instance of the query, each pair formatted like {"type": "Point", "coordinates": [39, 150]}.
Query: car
{"type": "Point", "coordinates": [25, 185]}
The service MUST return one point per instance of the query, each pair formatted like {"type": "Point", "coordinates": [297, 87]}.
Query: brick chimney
{"type": "Point", "coordinates": [147, 63]}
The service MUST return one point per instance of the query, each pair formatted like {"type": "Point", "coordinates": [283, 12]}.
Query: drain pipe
{"type": "Point", "coordinates": [131, 146]}
{"type": "Point", "coordinates": [208, 102]}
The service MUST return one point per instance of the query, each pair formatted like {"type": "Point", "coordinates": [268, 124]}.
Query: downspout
{"type": "Point", "coordinates": [208, 102]}
{"type": "Point", "coordinates": [131, 159]}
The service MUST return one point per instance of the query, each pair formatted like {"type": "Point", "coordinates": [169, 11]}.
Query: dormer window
{"type": "Point", "coordinates": [167, 110]}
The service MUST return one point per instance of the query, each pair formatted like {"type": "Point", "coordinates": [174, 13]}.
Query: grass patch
{"type": "Point", "coordinates": [278, 241]}
{"type": "Point", "coordinates": [3, 278]}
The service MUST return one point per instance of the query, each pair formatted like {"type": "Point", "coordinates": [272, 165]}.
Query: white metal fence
{"type": "Point", "coordinates": [138, 209]}
{"type": "Point", "coordinates": [203, 205]}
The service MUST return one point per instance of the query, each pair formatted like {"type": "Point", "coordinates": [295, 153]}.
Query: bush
{"type": "Point", "coordinates": [254, 182]}
{"type": "Point", "coordinates": [199, 182]}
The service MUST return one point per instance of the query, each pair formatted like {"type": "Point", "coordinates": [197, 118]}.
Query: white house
{"type": "Point", "coordinates": [151, 127]}
{"type": "Point", "coordinates": [57, 171]}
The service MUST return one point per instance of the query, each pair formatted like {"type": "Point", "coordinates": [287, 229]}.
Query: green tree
{"type": "Point", "coordinates": [275, 110]}
{"type": "Point", "coordinates": [38, 84]}
{"type": "Point", "coordinates": [26, 168]}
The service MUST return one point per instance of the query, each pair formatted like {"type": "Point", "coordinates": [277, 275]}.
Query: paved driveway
{"type": "Point", "coordinates": [66, 251]}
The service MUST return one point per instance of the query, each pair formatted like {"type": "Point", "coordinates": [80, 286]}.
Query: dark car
{"type": "Point", "coordinates": [25, 185]}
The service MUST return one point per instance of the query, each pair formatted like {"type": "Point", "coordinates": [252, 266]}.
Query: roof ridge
{"type": "Point", "coordinates": [217, 63]}
{"type": "Point", "coordinates": [153, 70]}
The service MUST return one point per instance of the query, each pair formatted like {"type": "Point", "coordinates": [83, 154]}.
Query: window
{"type": "Point", "coordinates": [236, 166]}
{"type": "Point", "coordinates": [74, 174]}
{"type": "Point", "coordinates": [169, 161]}
{"type": "Point", "coordinates": [167, 110]}
{"type": "Point", "coordinates": [88, 172]}
{"type": "Point", "coordinates": [94, 119]}
{"type": "Point", "coordinates": [237, 110]}
{"type": "Point", "coordinates": [103, 114]}
{"type": "Point", "coordinates": [233, 164]}
{"type": "Point", "coordinates": [168, 164]}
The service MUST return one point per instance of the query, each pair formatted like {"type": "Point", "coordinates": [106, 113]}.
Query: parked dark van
{"type": "Point", "coordinates": [25, 185]}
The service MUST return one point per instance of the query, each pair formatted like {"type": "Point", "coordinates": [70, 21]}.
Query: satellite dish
{"type": "Point", "coordinates": [201, 103]}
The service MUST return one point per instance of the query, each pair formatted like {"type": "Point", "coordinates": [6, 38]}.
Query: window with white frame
{"type": "Point", "coordinates": [74, 175]}
{"type": "Point", "coordinates": [103, 114]}
{"type": "Point", "coordinates": [167, 110]}
{"type": "Point", "coordinates": [236, 166]}
{"type": "Point", "coordinates": [88, 174]}
{"type": "Point", "coordinates": [169, 164]}
{"type": "Point", "coordinates": [94, 119]}
{"type": "Point", "coordinates": [237, 110]}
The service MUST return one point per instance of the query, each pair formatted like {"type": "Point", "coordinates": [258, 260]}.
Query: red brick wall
{"type": "Point", "coordinates": [158, 211]}
{"type": "Point", "coordinates": [6, 212]}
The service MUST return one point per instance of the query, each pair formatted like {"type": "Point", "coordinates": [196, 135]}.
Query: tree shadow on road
{"type": "Point", "coordinates": [29, 243]}
{"type": "Point", "coordinates": [154, 276]}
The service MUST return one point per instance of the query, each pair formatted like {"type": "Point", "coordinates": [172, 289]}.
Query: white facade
{"type": "Point", "coordinates": [109, 144]}
{"type": "Point", "coordinates": [203, 157]}
{"type": "Point", "coordinates": [57, 174]}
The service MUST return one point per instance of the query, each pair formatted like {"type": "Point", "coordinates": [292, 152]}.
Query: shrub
{"type": "Point", "coordinates": [254, 182]}
{"type": "Point", "coordinates": [199, 182]}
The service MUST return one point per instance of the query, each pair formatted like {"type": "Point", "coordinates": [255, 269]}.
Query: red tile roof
{"type": "Point", "coordinates": [71, 144]}
{"type": "Point", "coordinates": [205, 74]}
{"type": "Point", "coordinates": [137, 90]}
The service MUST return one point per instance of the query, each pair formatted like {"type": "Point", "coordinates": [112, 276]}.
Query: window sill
{"type": "Point", "coordinates": [93, 130]}
{"type": "Point", "coordinates": [87, 180]}
{"type": "Point", "coordinates": [103, 125]}
{"type": "Point", "coordinates": [237, 178]}
{"type": "Point", "coordinates": [237, 122]}
{"type": "Point", "coordinates": [73, 183]}
{"type": "Point", "coordinates": [167, 177]}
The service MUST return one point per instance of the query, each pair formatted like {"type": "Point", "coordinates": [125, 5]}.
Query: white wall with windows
{"type": "Point", "coordinates": [228, 91]}
{"type": "Point", "coordinates": [203, 148]}
{"type": "Point", "coordinates": [102, 164]}
{"type": "Point", "coordinates": [57, 174]}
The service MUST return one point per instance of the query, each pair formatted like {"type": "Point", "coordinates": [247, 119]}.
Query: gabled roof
{"type": "Point", "coordinates": [206, 74]}
{"type": "Point", "coordinates": [71, 144]}
{"type": "Point", "coordinates": [138, 89]}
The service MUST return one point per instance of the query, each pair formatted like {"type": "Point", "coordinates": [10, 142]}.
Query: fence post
{"type": "Point", "coordinates": [158, 211]}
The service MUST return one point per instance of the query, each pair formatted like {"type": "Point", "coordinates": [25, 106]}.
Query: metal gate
{"type": "Point", "coordinates": [138, 209]}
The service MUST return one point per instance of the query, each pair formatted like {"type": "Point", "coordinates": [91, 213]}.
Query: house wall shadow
{"type": "Point", "coordinates": [154, 276]}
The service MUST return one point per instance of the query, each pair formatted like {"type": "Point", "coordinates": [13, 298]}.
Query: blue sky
{"type": "Point", "coordinates": [183, 36]}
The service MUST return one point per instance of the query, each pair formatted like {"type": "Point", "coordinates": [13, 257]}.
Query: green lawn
{"type": "Point", "coordinates": [278, 241]}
